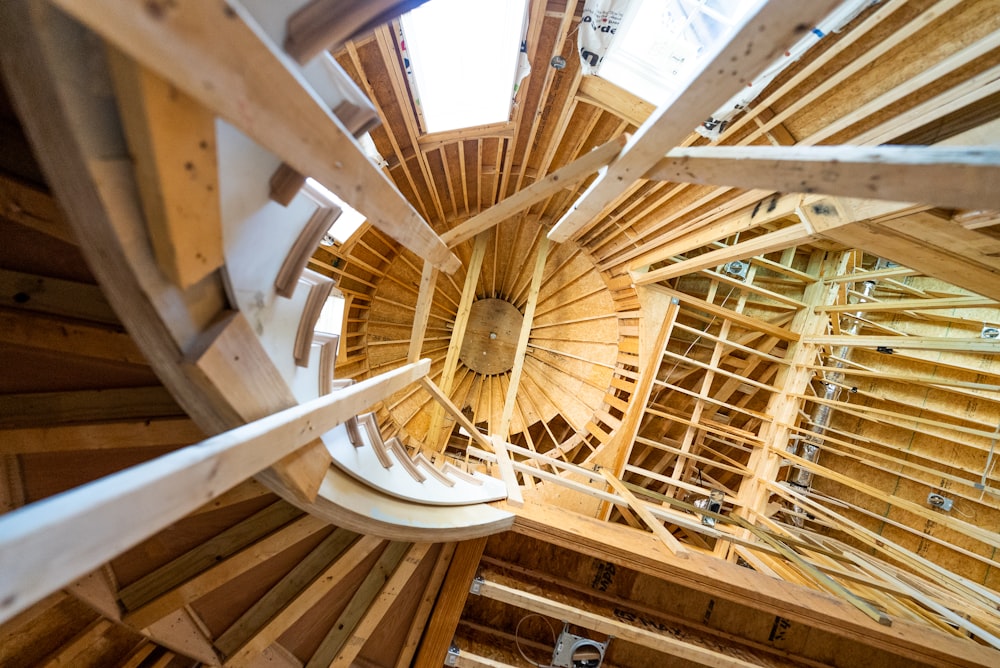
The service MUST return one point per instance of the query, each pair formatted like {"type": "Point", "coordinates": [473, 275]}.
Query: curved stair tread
{"type": "Point", "coordinates": [362, 465]}
{"type": "Point", "coordinates": [378, 446]}
{"type": "Point", "coordinates": [426, 465]}
{"type": "Point", "coordinates": [397, 448]}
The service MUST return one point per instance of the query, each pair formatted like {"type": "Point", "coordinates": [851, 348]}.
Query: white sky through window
{"type": "Point", "coordinates": [349, 219]}
{"type": "Point", "coordinates": [661, 41]}
{"type": "Point", "coordinates": [463, 54]}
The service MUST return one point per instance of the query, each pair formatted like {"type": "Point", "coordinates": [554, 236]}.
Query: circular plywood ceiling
{"type": "Point", "coordinates": [491, 336]}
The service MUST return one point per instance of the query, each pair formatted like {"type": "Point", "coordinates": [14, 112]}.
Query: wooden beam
{"type": "Point", "coordinates": [456, 413]}
{"type": "Point", "coordinates": [369, 605]}
{"type": "Point", "coordinates": [747, 322]}
{"type": "Point", "coordinates": [172, 141]}
{"type": "Point", "coordinates": [202, 556]}
{"type": "Point", "coordinates": [55, 296]}
{"type": "Point", "coordinates": [67, 536]}
{"type": "Point", "coordinates": [449, 605]}
{"type": "Point", "coordinates": [646, 554]}
{"type": "Point", "coordinates": [148, 433]}
{"type": "Point", "coordinates": [760, 38]}
{"type": "Point", "coordinates": [551, 184]}
{"type": "Point", "coordinates": [30, 207]}
{"type": "Point", "coordinates": [47, 409]}
{"type": "Point", "coordinates": [912, 304]}
{"type": "Point", "coordinates": [251, 625]}
{"type": "Point", "coordinates": [955, 344]}
{"type": "Point", "coordinates": [325, 25]}
{"type": "Point", "coordinates": [604, 624]}
{"type": "Point", "coordinates": [514, 382]}
{"type": "Point", "coordinates": [506, 469]}
{"type": "Point", "coordinates": [216, 53]}
{"type": "Point", "coordinates": [437, 435]}
{"type": "Point", "coordinates": [946, 176]}
{"type": "Point", "coordinates": [655, 525]}
{"type": "Point", "coordinates": [293, 596]}
{"type": "Point", "coordinates": [430, 591]}
{"type": "Point", "coordinates": [68, 338]}
{"type": "Point", "coordinates": [224, 571]}
{"type": "Point", "coordinates": [425, 300]}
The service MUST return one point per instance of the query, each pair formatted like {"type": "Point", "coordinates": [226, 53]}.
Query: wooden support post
{"type": "Point", "coordinates": [449, 605]}
{"type": "Point", "coordinates": [514, 497]}
{"type": "Point", "coordinates": [522, 340]}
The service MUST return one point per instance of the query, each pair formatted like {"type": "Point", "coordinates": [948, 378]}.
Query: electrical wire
{"type": "Point", "coordinates": [517, 641]}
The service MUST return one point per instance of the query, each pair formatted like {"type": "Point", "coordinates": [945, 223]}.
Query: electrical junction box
{"type": "Point", "coordinates": [938, 501]}
{"type": "Point", "coordinates": [736, 269]}
{"type": "Point", "coordinates": [573, 651]}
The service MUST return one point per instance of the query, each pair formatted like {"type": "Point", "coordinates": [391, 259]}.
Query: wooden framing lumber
{"type": "Point", "coordinates": [954, 176]}
{"type": "Point", "coordinates": [172, 139]}
{"type": "Point", "coordinates": [254, 87]}
{"type": "Point", "coordinates": [54, 296]}
{"type": "Point", "coordinates": [655, 525]}
{"type": "Point", "coordinates": [63, 538]}
{"type": "Point", "coordinates": [514, 382]}
{"type": "Point", "coordinates": [450, 602]}
{"type": "Point", "coordinates": [955, 344]}
{"type": "Point", "coordinates": [551, 184]}
{"type": "Point", "coordinates": [30, 207]}
{"type": "Point", "coordinates": [758, 40]}
{"type": "Point", "coordinates": [425, 300]}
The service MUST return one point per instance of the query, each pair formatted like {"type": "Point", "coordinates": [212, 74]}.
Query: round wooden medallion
{"type": "Point", "coordinates": [491, 336]}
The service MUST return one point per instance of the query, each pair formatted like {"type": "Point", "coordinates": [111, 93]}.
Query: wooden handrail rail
{"type": "Point", "coordinates": [48, 544]}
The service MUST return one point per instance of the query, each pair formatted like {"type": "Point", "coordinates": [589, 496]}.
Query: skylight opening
{"type": "Point", "coordinates": [462, 57]}
{"type": "Point", "coordinates": [661, 42]}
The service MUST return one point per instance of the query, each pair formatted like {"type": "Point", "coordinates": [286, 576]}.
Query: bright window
{"type": "Point", "coordinates": [660, 43]}
{"type": "Point", "coordinates": [462, 56]}
{"type": "Point", "coordinates": [348, 221]}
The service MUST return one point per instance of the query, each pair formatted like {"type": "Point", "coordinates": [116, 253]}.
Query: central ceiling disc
{"type": "Point", "coordinates": [491, 336]}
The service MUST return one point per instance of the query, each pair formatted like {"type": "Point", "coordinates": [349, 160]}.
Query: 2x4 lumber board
{"type": "Point", "coordinates": [144, 433]}
{"type": "Point", "coordinates": [172, 141]}
{"type": "Point", "coordinates": [760, 38]}
{"type": "Point", "coordinates": [36, 209]}
{"type": "Point", "coordinates": [450, 602]}
{"type": "Point", "coordinates": [68, 338]}
{"type": "Point", "coordinates": [952, 344]}
{"type": "Point", "coordinates": [952, 176]}
{"type": "Point", "coordinates": [224, 571]}
{"type": "Point", "coordinates": [746, 322]}
{"type": "Point", "coordinates": [303, 600]}
{"type": "Point", "coordinates": [455, 412]}
{"type": "Point", "coordinates": [51, 543]}
{"type": "Point", "coordinates": [429, 594]}
{"type": "Point", "coordinates": [47, 409]}
{"type": "Point", "coordinates": [645, 553]}
{"type": "Point", "coordinates": [655, 525]}
{"type": "Point", "coordinates": [913, 304]}
{"type": "Point", "coordinates": [506, 467]}
{"type": "Point", "coordinates": [793, 235]}
{"type": "Point", "coordinates": [194, 561]}
{"type": "Point", "coordinates": [437, 435]}
{"type": "Point", "coordinates": [216, 53]}
{"type": "Point", "coordinates": [252, 622]}
{"type": "Point", "coordinates": [425, 301]}
{"type": "Point", "coordinates": [551, 184]}
{"type": "Point", "coordinates": [55, 296]}
{"type": "Point", "coordinates": [370, 603]}
{"type": "Point", "coordinates": [522, 340]}
{"type": "Point", "coordinates": [933, 246]}
{"type": "Point", "coordinates": [610, 626]}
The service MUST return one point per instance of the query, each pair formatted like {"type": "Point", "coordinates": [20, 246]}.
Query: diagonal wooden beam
{"type": "Point", "coordinates": [292, 597]}
{"type": "Point", "coordinates": [217, 54]}
{"type": "Point", "coordinates": [946, 176]}
{"type": "Point", "coordinates": [654, 524]}
{"type": "Point", "coordinates": [522, 340]}
{"type": "Point", "coordinates": [437, 435]}
{"type": "Point", "coordinates": [425, 300]}
{"type": "Point", "coordinates": [760, 38]}
{"type": "Point", "coordinates": [551, 184]}
{"type": "Point", "coordinates": [51, 543]}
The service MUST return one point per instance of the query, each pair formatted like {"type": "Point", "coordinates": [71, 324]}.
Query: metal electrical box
{"type": "Point", "coordinates": [573, 651]}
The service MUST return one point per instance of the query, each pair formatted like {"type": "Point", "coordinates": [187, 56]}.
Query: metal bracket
{"type": "Point", "coordinates": [451, 658]}
{"type": "Point", "coordinates": [477, 585]}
